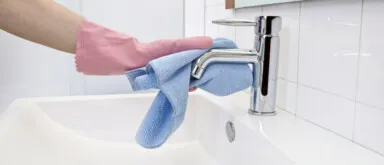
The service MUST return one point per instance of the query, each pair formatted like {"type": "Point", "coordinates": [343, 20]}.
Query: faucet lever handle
{"type": "Point", "coordinates": [235, 22]}
{"type": "Point", "coordinates": [266, 25]}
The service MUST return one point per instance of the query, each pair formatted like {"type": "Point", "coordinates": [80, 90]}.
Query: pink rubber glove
{"type": "Point", "coordinates": [101, 51]}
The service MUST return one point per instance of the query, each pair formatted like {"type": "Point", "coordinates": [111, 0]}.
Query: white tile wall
{"type": "Point", "coordinates": [329, 45]}
{"type": "Point", "coordinates": [194, 17]}
{"type": "Point", "coordinates": [330, 63]}
{"type": "Point", "coordinates": [286, 95]}
{"type": "Point", "coordinates": [370, 82]}
{"type": "Point", "coordinates": [211, 13]}
{"type": "Point", "coordinates": [329, 111]}
{"type": "Point", "coordinates": [226, 31]}
{"type": "Point", "coordinates": [369, 127]}
{"type": "Point", "coordinates": [217, 12]}
{"type": "Point", "coordinates": [244, 35]}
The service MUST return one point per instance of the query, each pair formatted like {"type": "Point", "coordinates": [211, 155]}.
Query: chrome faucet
{"type": "Point", "coordinates": [264, 59]}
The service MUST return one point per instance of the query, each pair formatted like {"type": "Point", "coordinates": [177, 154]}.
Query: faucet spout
{"type": "Point", "coordinates": [224, 55]}
{"type": "Point", "coordinates": [264, 59]}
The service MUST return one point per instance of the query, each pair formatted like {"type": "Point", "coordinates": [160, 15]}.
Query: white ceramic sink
{"type": "Point", "coordinates": [100, 130]}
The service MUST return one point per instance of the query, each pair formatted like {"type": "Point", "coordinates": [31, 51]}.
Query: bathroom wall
{"type": "Point", "coordinates": [31, 70]}
{"type": "Point", "coordinates": [331, 63]}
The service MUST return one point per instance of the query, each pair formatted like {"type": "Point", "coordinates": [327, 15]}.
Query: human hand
{"type": "Point", "coordinates": [192, 89]}
{"type": "Point", "coordinates": [101, 51]}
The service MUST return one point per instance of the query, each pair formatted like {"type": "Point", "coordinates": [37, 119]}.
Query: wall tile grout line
{"type": "Point", "coordinates": [358, 67]}
{"type": "Point", "coordinates": [282, 78]}
{"type": "Point", "coordinates": [370, 106]}
{"type": "Point", "coordinates": [335, 133]}
{"type": "Point", "coordinates": [361, 145]}
{"type": "Point", "coordinates": [358, 102]}
{"type": "Point", "coordinates": [298, 60]}
{"type": "Point", "coordinates": [324, 91]}
{"type": "Point", "coordinates": [184, 18]}
{"type": "Point", "coordinates": [285, 110]}
{"type": "Point", "coordinates": [320, 90]}
{"type": "Point", "coordinates": [81, 10]}
{"type": "Point", "coordinates": [298, 64]}
{"type": "Point", "coordinates": [205, 19]}
{"type": "Point", "coordinates": [262, 9]}
{"type": "Point", "coordinates": [234, 28]}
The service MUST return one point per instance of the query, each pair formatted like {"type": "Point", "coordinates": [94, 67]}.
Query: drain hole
{"type": "Point", "coordinates": [230, 131]}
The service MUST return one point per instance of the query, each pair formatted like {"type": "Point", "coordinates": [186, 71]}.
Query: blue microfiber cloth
{"type": "Point", "coordinates": [172, 75]}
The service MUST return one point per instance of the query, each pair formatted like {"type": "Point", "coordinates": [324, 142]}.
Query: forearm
{"type": "Point", "coordinates": [41, 21]}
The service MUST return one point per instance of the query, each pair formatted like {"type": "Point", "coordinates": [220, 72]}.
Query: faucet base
{"type": "Point", "coordinates": [256, 113]}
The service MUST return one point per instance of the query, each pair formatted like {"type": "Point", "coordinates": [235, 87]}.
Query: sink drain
{"type": "Point", "coordinates": [230, 131]}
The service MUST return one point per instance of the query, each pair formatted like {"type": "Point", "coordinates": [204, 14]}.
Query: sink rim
{"type": "Point", "coordinates": [284, 131]}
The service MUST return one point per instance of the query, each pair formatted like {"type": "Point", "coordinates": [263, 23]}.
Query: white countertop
{"type": "Point", "coordinates": [303, 142]}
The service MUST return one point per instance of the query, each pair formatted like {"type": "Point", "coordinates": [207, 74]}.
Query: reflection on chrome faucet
{"type": "Point", "coordinates": [264, 59]}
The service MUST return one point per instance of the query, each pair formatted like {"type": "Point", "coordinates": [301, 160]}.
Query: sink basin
{"type": "Point", "coordinates": [100, 130]}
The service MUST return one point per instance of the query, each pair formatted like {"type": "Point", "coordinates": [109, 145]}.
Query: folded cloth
{"type": "Point", "coordinates": [172, 75]}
